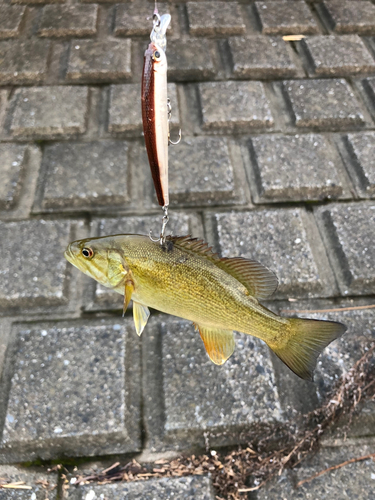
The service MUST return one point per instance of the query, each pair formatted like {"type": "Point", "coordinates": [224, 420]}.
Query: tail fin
{"type": "Point", "coordinates": [307, 339]}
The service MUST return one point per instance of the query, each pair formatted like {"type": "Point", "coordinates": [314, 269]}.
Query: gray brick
{"type": "Point", "coordinates": [49, 415]}
{"type": "Point", "coordinates": [23, 61]}
{"type": "Point", "coordinates": [12, 161]}
{"type": "Point", "coordinates": [260, 57]}
{"type": "Point", "coordinates": [176, 365]}
{"type": "Point", "coordinates": [184, 488]}
{"type": "Point", "coordinates": [29, 2]}
{"type": "Point", "coordinates": [215, 18]}
{"type": "Point", "coordinates": [179, 224]}
{"type": "Point", "coordinates": [361, 148]}
{"type": "Point", "coordinates": [369, 85]}
{"type": "Point", "coordinates": [26, 278]}
{"type": "Point", "coordinates": [42, 485]}
{"type": "Point", "coordinates": [49, 112]}
{"type": "Point", "coordinates": [191, 61]}
{"type": "Point", "coordinates": [10, 20]}
{"type": "Point", "coordinates": [278, 239]}
{"type": "Point", "coordinates": [347, 16]}
{"type": "Point", "coordinates": [125, 108]}
{"type": "Point", "coordinates": [243, 106]}
{"type": "Point", "coordinates": [323, 103]}
{"type": "Point", "coordinates": [68, 20]}
{"type": "Point", "coordinates": [97, 60]}
{"type": "Point", "coordinates": [286, 18]}
{"type": "Point", "coordinates": [135, 19]}
{"type": "Point", "coordinates": [355, 480]}
{"type": "Point", "coordinates": [89, 174]}
{"type": "Point", "coordinates": [339, 55]}
{"type": "Point", "coordinates": [277, 158]}
{"type": "Point", "coordinates": [210, 176]}
{"type": "Point", "coordinates": [348, 231]}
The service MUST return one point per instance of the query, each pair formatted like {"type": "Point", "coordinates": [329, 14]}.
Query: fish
{"type": "Point", "coordinates": [184, 277]}
{"type": "Point", "coordinates": [154, 100]}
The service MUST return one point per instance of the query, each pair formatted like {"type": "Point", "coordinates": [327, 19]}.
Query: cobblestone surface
{"type": "Point", "coordinates": [91, 60]}
{"type": "Point", "coordinates": [23, 61]}
{"type": "Point", "coordinates": [361, 148]}
{"type": "Point", "coordinates": [346, 16]}
{"type": "Point", "coordinates": [339, 56]}
{"type": "Point", "coordinates": [35, 480]}
{"type": "Point", "coordinates": [275, 164]}
{"type": "Point", "coordinates": [244, 106]}
{"type": "Point", "coordinates": [68, 20]}
{"type": "Point", "coordinates": [277, 158]}
{"type": "Point", "coordinates": [260, 57]}
{"type": "Point", "coordinates": [193, 487]}
{"type": "Point", "coordinates": [58, 417]}
{"type": "Point", "coordinates": [286, 18]}
{"type": "Point", "coordinates": [124, 106]}
{"type": "Point", "coordinates": [35, 114]}
{"type": "Point", "coordinates": [215, 18]}
{"type": "Point", "coordinates": [10, 20]}
{"type": "Point", "coordinates": [26, 279]}
{"type": "Point", "coordinates": [323, 103]}
{"type": "Point", "coordinates": [348, 231]}
{"type": "Point", "coordinates": [12, 159]}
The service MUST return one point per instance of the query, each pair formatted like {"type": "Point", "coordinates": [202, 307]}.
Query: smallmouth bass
{"type": "Point", "coordinates": [185, 278]}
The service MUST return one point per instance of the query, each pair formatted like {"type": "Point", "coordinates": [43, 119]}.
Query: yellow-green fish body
{"type": "Point", "coordinates": [183, 277]}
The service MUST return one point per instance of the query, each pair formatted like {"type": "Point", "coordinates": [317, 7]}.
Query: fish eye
{"type": "Point", "coordinates": [156, 55]}
{"type": "Point", "coordinates": [88, 253]}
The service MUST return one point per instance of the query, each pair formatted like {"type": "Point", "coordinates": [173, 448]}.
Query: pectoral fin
{"type": "Point", "coordinates": [140, 316]}
{"type": "Point", "coordinates": [219, 344]}
{"type": "Point", "coordinates": [129, 289]}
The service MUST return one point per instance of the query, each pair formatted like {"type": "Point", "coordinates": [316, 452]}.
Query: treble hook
{"type": "Point", "coordinates": [164, 224]}
{"type": "Point", "coordinates": [177, 142]}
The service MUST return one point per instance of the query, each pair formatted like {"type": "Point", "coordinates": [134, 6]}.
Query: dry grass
{"type": "Point", "coordinates": [245, 469]}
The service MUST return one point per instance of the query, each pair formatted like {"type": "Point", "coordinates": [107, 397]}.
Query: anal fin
{"type": "Point", "coordinates": [140, 315]}
{"type": "Point", "coordinates": [219, 343]}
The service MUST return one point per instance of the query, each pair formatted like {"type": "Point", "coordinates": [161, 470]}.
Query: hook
{"type": "Point", "coordinates": [164, 223]}
{"type": "Point", "coordinates": [177, 142]}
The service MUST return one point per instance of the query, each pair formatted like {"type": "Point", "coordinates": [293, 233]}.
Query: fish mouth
{"type": "Point", "coordinates": [68, 254]}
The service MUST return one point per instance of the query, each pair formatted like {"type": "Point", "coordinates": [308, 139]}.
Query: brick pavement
{"type": "Point", "coordinates": [276, 164]}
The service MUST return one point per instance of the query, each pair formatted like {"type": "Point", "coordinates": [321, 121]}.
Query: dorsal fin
{"type": "Point", "coordinates": [256, 278]}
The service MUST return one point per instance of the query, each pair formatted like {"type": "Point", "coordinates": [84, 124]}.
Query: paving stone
{"type": "Point", "coordinates": [278, 239]}
{"type": "Point", "coordinates": [235, 397]}
{"type": "Point", "coordinates": [74, 391]}
{"type": "Point", "coordinates": [184, 488]}
{"type": "Point", "coordinates": [361, 148]}
{"type": "Point", "coordinates": [68, 20]}
{"type": "Point", "coordinates": [125, 106]}
{"type": "Point", "coordinates": [369, 85]}
{"type": "Point", "coordinates": [10, 20]}
{"type": "Point", "coordinates": [49, 112]}
{"type": "Point", "coordinates": [135, 19]}
{"type": "Point", "coordinates": [260, 57]}
{"type": "Point", "coordinates": [277, 158]}
{"type": "Point", "coordinates": [26, 278]}
{"type": "Point", "coordinates": [215, 18]}
{"type": "Point", "coordinates": [88, 174]}
{"type": "Point", "coordinates": [97, 60]}
{"type": "Point", "coordinates": [323, 103]}
{"type": "Point", "coordinates": [42, 485]}
{"type": "Point", "coordinates": [179, 224]}
{"type": "Point", "coordinates": [23, 61]}
{"type": "Point", "coordinates": [210, 176]}
{"type": "Point", "coordinates": [347, 16]}
{"type": "Point", "coordinates": [355, 480]}
{"type": "Point", "coordinates": [243, 105]}
{"type": "Point", "coordinates": [286, 18]}
{"type": "Point", "coordinates": [12, 161]}
{"type": "Point", "coordinates": [191, 61]}
{"type": "Point", "coordinates": [348, 231]}
{"type": "Point", "coordinates": [339, 55]}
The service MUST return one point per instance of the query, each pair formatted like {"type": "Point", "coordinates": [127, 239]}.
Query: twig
{"type": "Point", "coordinates": [338, 309]}
{"type": "Point", "coordinates": [334, 467]}
{"type": "Point", "coordinates": [110, 468]}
